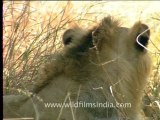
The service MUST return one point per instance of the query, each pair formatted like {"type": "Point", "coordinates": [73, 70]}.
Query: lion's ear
{"type": "Point", "coordinates": [77, 40]}
{"type": "Point", "coordinates": [142, 37]}
{"type": "Point", "coordinates": [140, 34]}
{"type": "Point", "coordinates": [74, 36]}
{"type": "Point", "coordinates": [68, 36]}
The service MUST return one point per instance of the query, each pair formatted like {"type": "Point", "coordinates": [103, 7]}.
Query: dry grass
{"type": "Point", "coordinates": [32, 32]}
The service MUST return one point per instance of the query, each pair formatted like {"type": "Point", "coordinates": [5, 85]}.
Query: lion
{"type": "Point", "coordinates": [105, 67]}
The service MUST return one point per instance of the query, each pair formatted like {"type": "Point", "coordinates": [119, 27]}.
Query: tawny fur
{"type": "Point", "coordinates": [106, 57]}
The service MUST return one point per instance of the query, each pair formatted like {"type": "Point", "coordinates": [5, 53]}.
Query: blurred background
{"type": "Point", "coordinates": [32, 32]}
